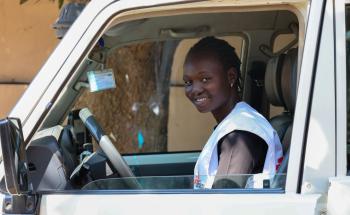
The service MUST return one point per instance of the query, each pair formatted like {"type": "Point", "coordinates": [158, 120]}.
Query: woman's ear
{"type": "Point", "coordinates": [232, 76]}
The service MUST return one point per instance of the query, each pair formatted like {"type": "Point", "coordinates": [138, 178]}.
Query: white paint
{"type": "Point", "coordinates": [339, 196]}
{"type": "Point", "coordinates": [262, 204]}
{"type": "Point", "coordinates": [304, 88]}
{"type": "Point", "coordinates": [340, 62]}
{"type": "Point", "coordinates": [320, 150]}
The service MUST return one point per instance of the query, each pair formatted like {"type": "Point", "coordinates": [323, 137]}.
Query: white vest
{"type": "Point", "coordinates": [242, 117]}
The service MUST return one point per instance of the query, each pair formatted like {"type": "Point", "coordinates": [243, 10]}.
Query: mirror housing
{"type": "Point", "coordinates": [13, 156]}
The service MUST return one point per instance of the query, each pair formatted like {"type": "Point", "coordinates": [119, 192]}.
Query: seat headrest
{"type": "Point", "coordinates": [281, 79]}
{"type": "Point", "coordinates": [273, 80]}
{"type": "Point", "coordinates": [289, 79]}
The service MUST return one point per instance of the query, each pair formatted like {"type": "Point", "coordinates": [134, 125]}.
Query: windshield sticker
{"type": "Point", "coordinates": [101, 80]}
{"type": "Point", "coordinates": [140, 139]}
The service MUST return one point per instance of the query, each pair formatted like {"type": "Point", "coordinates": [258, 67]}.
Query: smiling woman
{"type": "Point", "coordinates": [211, 76]}
{"type": "Point", "coordinates": [243, 142]}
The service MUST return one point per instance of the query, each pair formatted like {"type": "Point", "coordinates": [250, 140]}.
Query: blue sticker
{"type": "Point", "coordinates": [140, 139]}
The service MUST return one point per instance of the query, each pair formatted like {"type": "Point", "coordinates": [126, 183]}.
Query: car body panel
{"type": "Point", "coordinates": [341, 101]}
{"type": "Point", "coordinates": [287, 204]}
{"type": "Point", "coordinates": [339, 187]}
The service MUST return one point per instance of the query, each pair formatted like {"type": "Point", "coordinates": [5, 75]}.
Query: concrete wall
{"type": "Point", "coordinates": [26, 40]}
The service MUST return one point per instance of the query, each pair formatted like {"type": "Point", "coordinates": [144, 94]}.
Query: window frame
{"type": "Point", "coordinates": [42, 110]}
{"type": "Point", "coordinates": [341, 94]}
{"type": "Point", "coordinates": [303, 106]}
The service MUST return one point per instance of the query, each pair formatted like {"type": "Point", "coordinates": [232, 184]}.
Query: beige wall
{"type": "Point", "coordinates": [26, 40]}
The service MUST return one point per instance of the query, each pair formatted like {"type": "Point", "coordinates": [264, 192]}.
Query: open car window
{"type": "Point", "coordinates": [131, 82]}
{"type": "Point", "coordinates": [148, 111]}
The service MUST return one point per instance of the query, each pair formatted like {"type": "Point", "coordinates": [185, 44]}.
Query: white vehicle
{"type": "Point", "coordinates": [294, 57]}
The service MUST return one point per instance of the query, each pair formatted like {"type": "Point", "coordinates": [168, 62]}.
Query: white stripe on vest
{"type": "Point", "coordinates": [242, 117]}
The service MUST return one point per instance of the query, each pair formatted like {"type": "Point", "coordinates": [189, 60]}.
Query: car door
{"type": "Point", "coordinates": [339, 185]}
{"type": "Point", "coordinates": [289, 200]}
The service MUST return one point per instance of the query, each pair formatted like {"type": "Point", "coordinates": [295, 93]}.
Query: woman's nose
{"type": "Point", "coordinates": [197, 88]}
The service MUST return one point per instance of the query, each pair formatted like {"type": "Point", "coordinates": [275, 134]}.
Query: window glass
{"type": "Point", "coordinates": [134, 114]}
{"type": "Point", "coordinates": [236, 181]}
{"type": "Point", "coordinates": [153, 114]}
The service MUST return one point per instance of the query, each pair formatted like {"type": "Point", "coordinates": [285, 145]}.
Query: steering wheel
{"type": "Point", "coordinates": [108, 148]}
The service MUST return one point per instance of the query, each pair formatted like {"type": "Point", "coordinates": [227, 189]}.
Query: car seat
{"type": "Point", "coordinates": [281, 88]}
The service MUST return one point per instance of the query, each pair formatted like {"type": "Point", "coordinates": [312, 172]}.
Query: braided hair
{"type": "Point", "coordinates": [225, 53]}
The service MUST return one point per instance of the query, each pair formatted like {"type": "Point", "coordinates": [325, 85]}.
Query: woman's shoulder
{"type": "Point", "coordinates": [246, 117]}
{"type": "Point", "coordinates": [249, 111]}
{"type": "Point", "coordinates": [244, 136]}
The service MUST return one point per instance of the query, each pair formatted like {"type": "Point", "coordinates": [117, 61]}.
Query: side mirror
{"type": "Point", "coordinates": [13, 156]}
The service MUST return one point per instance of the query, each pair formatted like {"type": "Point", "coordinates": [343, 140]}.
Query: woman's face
{"type": "Point", "coordinates": [207, 85]}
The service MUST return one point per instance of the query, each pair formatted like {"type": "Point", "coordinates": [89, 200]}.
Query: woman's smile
{"type": "Point", "coordinates": [200, 101]}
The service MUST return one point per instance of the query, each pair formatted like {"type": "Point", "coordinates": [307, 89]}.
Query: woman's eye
{"type": "Point", "coordinates": [188, 83]}
{"type": "Point", "coordinates": [205, 80]}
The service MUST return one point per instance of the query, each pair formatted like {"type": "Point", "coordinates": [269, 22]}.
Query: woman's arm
{"type": "Point", "coordinates": [240, 152]}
